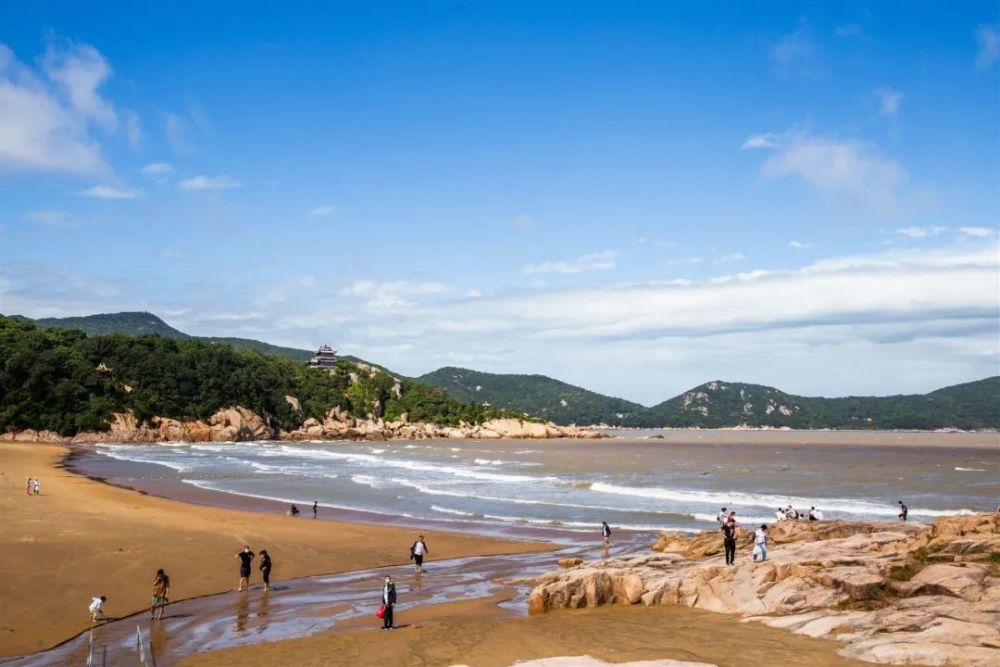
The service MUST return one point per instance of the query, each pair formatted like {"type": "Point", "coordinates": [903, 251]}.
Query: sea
{"type": "Point", "coordinates": [636, 483]}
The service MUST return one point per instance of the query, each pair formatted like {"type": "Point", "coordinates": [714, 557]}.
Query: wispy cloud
{"type": "Point", "coordinates": [46, 123]}
{"type": "Point", "coordinates": [157, 171]}
{"type": "Point", "coordinates": [798, 245]}
{"type": "Point", "coordinates": [395, 295]}
{"type": "Point", "coordinates": [109, 192]}
{"type": "Point", "coordinates": [766, 140]}
{"type": "Point", "coordinates": [201, 182]}
{"type": "Point", "coordinates": [522, 221]}
{"type": "Point", "coordinates": [731, 257]}
{"type": "Point", "coordinates": [921, 232]}
{"type": "Point", "coordinates": [978, 232]}
{"type": "Point", "coordinates": [849, 30]}
{"type": "Point", "coordinates": [596, 261]}
{"type": "Point", "coordinates": [46, 217]}
{"type": "Point", "coordinates": [795, 52]}
{"type": "Point", "coordinates": [889, 100]}
{"type": "Point", "coordinates": [849, 169]}
{"type": "Point", "coordinates": [988, 43]}
{"type": "Point", "coordinates": [321, 211]}
{"type": "Point", "coordinates": [133, 128]}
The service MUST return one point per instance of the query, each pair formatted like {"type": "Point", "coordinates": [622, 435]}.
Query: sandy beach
{"type": "Point", "coordinates": [82, 538]}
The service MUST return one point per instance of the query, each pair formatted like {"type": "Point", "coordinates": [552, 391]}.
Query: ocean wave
{"type": "Point", "coordinates": [118, 455]}
{"type": "Point", "coordinates": [960, 469]}
{"type": "Point", "coordinates": [446, 510]}
{"type": "Point", "coordinates": [740, 499]}
{"type": "Point", "coordinates": [581, 526]}
{"type": "Point", "coordinates": [367, 480]}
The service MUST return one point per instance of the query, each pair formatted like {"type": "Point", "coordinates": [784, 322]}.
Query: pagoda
{"type": "Point", "coordinates": [326, 357]}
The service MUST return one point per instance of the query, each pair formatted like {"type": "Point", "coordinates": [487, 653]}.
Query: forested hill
{"type": "Point", "coordinates": [65, 381]}
{"type": "Point", "coordinates": [537, 395]}
{"type": "Point", "coordinates": [974, 405]}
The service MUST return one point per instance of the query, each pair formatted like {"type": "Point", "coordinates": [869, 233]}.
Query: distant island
{"type": "Point", "coordinates": [716, 404]}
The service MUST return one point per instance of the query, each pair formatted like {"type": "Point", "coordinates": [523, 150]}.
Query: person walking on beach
{"type": "Point", "coordinates": [388, 602]}
{"type": "Point", "coordinates": [96, 609]}
{"type": "Point", "coordinates": [265, 568]}
{"type": "Point", "coordinates": [161, 589]}
{"type": "Point", "coordinates": [729, 542]}
{"type": "Point", "coordinates": [28, 486]}
{"type": "Point", "coordinates": [417, 553]}
{"type": "Point", "coordinates": [903, 511]}
{"type": "Point", "coordinates": [315, 508]}
{"type": "Point", "coordinates": [246, 557]}
{"type": "Point", "coordinates": [36, 485]}
{"type": "Point", "coordinates": [760, 543]}
{"type": "Point", "coordinates": [606, 534]}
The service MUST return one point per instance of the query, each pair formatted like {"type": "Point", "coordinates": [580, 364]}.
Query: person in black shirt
{"type": "Point", "coordinates": [729, 542]}
{"type": "Point", "coordinates": [246, 557]}
{"type": "Point", "coordinates": [903, 511]}
{"type": "Point", "coordinates": [265, 568]}
{"type": "Point", "coordinates": [315, 508]}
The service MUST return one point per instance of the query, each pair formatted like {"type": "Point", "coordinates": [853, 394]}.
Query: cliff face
{"type": "Point", "coordinates": [895, 593]}
{"type": "Point", "coordinates": [240, 424]}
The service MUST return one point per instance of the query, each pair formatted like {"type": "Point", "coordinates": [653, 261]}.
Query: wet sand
{"type": "Point", "coordinates": [82, 538]}
{"type": "Point", "coordinates": [468, 633]}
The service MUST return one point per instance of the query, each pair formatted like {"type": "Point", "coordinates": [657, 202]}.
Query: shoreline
{"type": "Point", "coordinates": [82, 537]}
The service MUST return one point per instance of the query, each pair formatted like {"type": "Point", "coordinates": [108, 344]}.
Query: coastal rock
{"type": "Point", "coordinates": [569, 562]}
{"type": "Point", "coordinates": [837, 579]}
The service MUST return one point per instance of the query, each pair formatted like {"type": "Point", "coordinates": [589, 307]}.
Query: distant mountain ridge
{"type": "Point", "coordinates": [717, 404]}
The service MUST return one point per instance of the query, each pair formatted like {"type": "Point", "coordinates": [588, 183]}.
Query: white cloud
{"type": "Point", "coordinates": [921, 232]}
{"type": "Point", "coordinates": [732, 257]}
{"type": "Point", "coordinates": [46, 217]}
{"type": "Point", "coordinates": [157, 171]}
{"type": "Point", "coordinates": [794, 52]}
{"type": "Point", "coordinates": [79, 70]}
{"type": "Point", "coordinates": [766, 140]}
{"type": "Point", "coordinates": [596, 261]}
{"type": "Point", "coordinates": [988, 41]}
{"type": "Point", "coordinates": [522, 221]}
{"type": "Point", "coordinates": [798, 245]}
{"type": "Point", "coordinates": [109, 192]}
{"type": "Point", "coordinates": [38, 129]}
{"type": "Point", "coordinates": [321, 211]}
{"type": "Point", "coordinates": [390, 296]}
{"type": "Point", "coordinates": [283, 291]}
{"type": "Point", "coordinates": [889, 100]}
{"type": "Point", "coordinates": [201, 182]}
{"type": "Point", "coordinates": [847, 169]}
{"type": "Point", "coordinates": [684, 261]}
{"type": "Point", "coordinates": [175, 129]}
{"type": "Point", "coordinates": [133, 129]}
{"type": "Point", "coordinates": [169, 254]}
{"type": "Point", "coordinates": [980, 232]}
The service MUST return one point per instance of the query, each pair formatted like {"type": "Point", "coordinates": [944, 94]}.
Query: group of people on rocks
{"type": "Point", "coordinates": [32, 486]}
{"type": "Point", "coordinates": [791, 514]}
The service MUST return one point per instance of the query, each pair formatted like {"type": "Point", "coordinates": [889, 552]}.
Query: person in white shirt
{"type": "Point", "coordinates": [97, 609]}
{"type": "Point", "coordinates": [779, 515]}
{"type": "Point", "coordinates": [418, 551]}
{"type": "Point", "coordinates": [815, 514]}
{"type": "Point", "coordinates": [722, 516]}
{"type": "Point", "coordinates": [760, 543]}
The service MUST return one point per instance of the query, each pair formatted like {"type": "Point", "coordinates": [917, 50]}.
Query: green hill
{"type": "Point", "coordinates": [537, 395]}
{"type": "Point", "coordinates": [973, 405]}
{"type": "Point", "coordinates": [65, 381]}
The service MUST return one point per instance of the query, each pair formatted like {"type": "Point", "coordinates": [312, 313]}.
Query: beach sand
{"type": "Point", "coordinates": [82, 538]}
{"type": "Point", "coordinates": [467, 633]}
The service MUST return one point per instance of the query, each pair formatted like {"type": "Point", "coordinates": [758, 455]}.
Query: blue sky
{"type": "Point", "coordinates": [635, 197]}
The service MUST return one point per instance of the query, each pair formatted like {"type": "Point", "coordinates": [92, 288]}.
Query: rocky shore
{"type": "Point", "coordinates": [240, 424]}
{"type": "Point", "coordinates": [895, 593]}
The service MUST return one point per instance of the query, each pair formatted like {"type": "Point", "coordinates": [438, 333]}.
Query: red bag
{"type": "Point", "coordinates": [381, 611]}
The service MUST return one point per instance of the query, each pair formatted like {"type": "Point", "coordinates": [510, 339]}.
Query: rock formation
{"type": "Point", "coordinates": [896, 593]}
{"type": "Point", "coordinates": [240, 424]}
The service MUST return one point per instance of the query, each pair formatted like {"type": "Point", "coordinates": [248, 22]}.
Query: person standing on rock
{"type": "Point", "coordinates": [729, 542]}
{"type": "Point", "coordinates": [606, 534]}
{"type": "Point", "coordinates": [388, 602]}
{"type": "Point", "coordinates": [246, 557]}
{"type": "Point", "coordinates": [722, 517]}
{"type": "Point", "coordinates": [903, 511]}
{"type": "Point", "coordinates": [760, 543]}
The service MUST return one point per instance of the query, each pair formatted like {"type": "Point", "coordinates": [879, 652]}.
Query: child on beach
{"type": "Point", "coordinates": [265, 568]}
{"type": "Point", "coordinates": [161, 589]}
{"type": "Point", "coordinates": [606, 534]}
{"type": "Point", "coordinates": [388, 602]}
{"type": "Point", "coordinates": [246, 557]}
{"type": "Point", "coordinates": [97, 609]}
